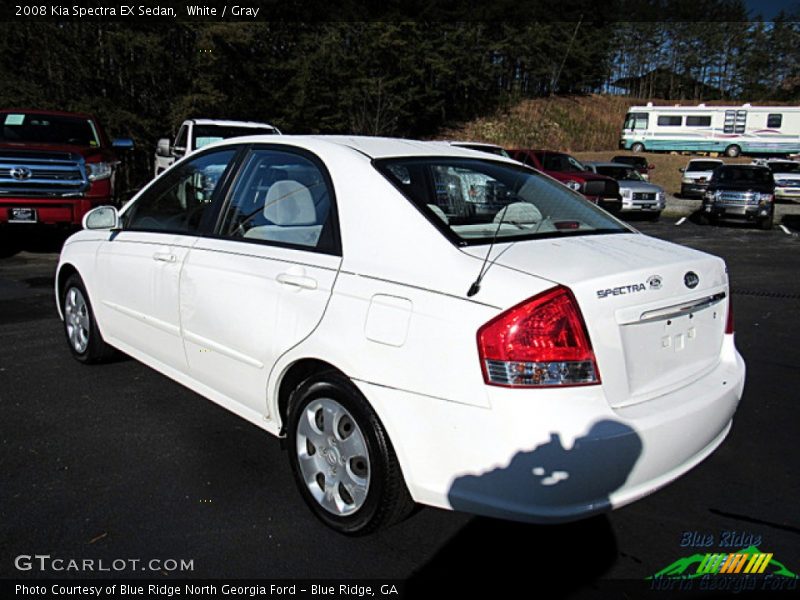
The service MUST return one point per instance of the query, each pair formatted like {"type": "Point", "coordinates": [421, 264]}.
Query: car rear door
{"type": "Point", "coordinates": [262, 283]}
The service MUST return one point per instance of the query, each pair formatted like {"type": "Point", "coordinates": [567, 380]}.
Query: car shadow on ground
{"type": "Point", "coordinates": [488, 552]}
{"type": "Point", "coordinates": [552, 478]}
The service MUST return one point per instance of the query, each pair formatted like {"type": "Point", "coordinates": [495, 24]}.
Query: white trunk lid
{"type": "Point", "coordinates": [651, 332]}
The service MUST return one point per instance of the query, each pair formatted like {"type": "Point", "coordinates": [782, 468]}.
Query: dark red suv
{"type": "Point", "coordinates": [602, 190]}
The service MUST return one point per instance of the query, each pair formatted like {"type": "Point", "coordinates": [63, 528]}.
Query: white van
{"type": "Point", "coordinates": [732, 130]}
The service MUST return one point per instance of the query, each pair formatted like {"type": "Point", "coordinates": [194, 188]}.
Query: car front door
{"type": "Point", "coordinates": [261, 285]}
{"type": "Point", "coordinates": [139, 266]}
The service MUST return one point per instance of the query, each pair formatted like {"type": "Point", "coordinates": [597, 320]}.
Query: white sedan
{"type": "Point", "coordinates": [424, 323]}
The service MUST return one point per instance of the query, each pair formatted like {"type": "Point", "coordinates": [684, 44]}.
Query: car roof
{"type": "Point", "coordinates": [467, 143]}
{"type": "Point", "coordinates": [226, 123]}
{"type": "Point", "coordinates": [748, 167]}
{"type": "Point", "coordinates": [609, 164]}
{"type": "Point", "coordinates": [372, 147]}
{"type": "Point", "coordinates": [36, 111]}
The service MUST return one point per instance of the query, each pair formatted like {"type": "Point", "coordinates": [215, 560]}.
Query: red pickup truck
{"type": "Point", "coordinates": [54, 167]}
{"type": "Point", "coordinates": [602, 190]}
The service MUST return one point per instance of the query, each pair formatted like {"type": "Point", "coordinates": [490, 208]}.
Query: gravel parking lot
{"type": "Point", "coordinates": [116, 461]}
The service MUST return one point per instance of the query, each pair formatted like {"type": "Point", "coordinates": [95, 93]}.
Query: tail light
{"type": "Point", "coordinates": [729, 321]}
{"type": "Point", "coordinates": [540, 342]}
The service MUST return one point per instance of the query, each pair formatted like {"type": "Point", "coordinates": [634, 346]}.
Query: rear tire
{"type": "Point", "coordinates": [80, 327]}
{"type": "Point", "coordinates": [733, 151]}
{"type": "Point", "coordinates": [637, 147]}
{"type": "Point", "coordinates": [342, 459]}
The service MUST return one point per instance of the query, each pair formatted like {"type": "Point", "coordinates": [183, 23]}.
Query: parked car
{"type": "Point", "coordinates": [741, 192]}
{"type": "Point", "coordinates": [193, 134]}
{"type": "Point", "coordinates": [638, 195]}
{"type": "Point", "coordinates": [603, 191]}
{"type": "Point", "coordinates": [696, 175]}
{"type": "Point", "coordinates": [786, 174]}
{"type": "Point", "coordinates": [319, 289]}
{"type": "Point", "coordinates": [54, 167]}
{"type": "Point", "coordinates": [483, 147]}
{"type": "Point", "coordinates": [640, 163]}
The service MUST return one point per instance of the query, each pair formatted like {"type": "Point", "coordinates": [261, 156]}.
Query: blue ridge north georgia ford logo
{"type": "Point", "coordinates": [691, 279]}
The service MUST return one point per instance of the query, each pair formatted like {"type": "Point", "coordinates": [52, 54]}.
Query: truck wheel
{"type": "Point", "coordinates": [637, 147]}
{"type": "Point", "coordinates": [83, 336]}
{"type": "Point", "coordinates": [342, 459]}
{"type": "Point", "coordinates": [733, 151]}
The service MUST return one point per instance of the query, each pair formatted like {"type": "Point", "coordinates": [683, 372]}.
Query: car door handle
{"type": "Point", "coordinates": [300, 281]}
{"type": "Point", "coordinates": [165, 257]}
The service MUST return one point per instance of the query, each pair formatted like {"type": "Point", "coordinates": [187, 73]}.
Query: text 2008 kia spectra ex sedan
{"type": "Point", "coordinates": [423, 322]}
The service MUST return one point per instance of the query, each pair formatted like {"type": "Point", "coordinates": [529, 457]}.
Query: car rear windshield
{"type": "Point", "coordinates": [640, 162]}
{"type": "Point", "coordinates": [702, 165]}
{"type": "Point", "coordinates": [620, 173]}
{"type": "Point", "coordinates": [784, 167]}
{"type": "Point", "coordinates": [743, 175]}
{"type": "Point", "coordinates": [472, 200]}
{"type": "Point", "coordinates": [208, 134]}
{"type": "Point", "coordinates": [48, 129]}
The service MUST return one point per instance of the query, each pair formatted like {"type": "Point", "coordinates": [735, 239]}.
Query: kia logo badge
{"type": "Point", "coordinates": [20, 173]}
{"type": "Point", "coordinates": [691, 279]}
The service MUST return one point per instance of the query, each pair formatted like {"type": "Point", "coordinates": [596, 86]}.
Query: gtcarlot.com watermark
{"type": "Point", "coordinates": [45, 563]}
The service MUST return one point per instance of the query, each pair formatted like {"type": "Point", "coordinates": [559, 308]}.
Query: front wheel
{"type": "Point", "coordinates": [637, 147]}
{"type": "Point", "coordinates": [342, 459]}
{"type": "Point", "coordinates": [767, 222]}
{"type": "Point", "coordinates": [80, 327]}
{"type": "Point", "coordinates": [733, 151]}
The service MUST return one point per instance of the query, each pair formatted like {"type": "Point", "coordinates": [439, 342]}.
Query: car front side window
{"type": "Point", "coordinates": [178, 203]}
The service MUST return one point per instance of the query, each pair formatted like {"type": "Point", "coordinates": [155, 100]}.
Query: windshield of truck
{"type": "Point", "coordinates": [702, 165]}
{"type": "Point", "coordinates": [635, 121]}
{"type": "Point", "coordinates": [208, 134]}
{"type": "Point", "coordinates": [48, 129]}
{"type": "Point", "coordinates": [743, 175]}
{"type": "Point", "coordinates": [620, 173]}
{"type": "Point", "coordinates": [470, 200]}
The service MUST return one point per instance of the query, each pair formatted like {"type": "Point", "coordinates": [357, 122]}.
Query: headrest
{"type": "Point", "coordinates": [289, 203]}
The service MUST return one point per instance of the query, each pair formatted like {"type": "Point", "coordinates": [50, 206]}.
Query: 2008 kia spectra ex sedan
{"type": "Point", "coordinates": [424, 323]}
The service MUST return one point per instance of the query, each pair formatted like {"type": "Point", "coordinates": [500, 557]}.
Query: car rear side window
{"type": "Point", "coordinates": [281, 198]}
{"type": "Point", "coordinates": [472, 200]}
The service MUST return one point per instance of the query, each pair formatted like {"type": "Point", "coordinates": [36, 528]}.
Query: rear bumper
{"type": "Point", "coordinates": [51, 211]}
{"type": "Point", "coordinates": [555, 455]}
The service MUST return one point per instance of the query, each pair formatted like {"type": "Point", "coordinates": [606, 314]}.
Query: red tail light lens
{"type": "Point", "coordinates": [729, 321]}
{"type": "Point", "coordinates": [540, 342]}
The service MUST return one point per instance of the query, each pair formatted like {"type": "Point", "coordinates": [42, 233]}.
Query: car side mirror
{"type": "Point", "coordinates": [122, 144]}
{"type": "Point", "coordinates": [162, 147]}
{"type": "Point", "coordinates": [102, 217]}
{"type": "Point", "coordinates": [682, 170]}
